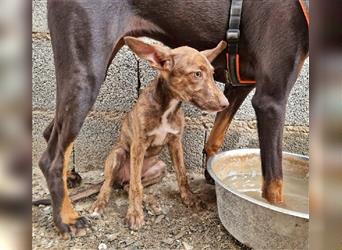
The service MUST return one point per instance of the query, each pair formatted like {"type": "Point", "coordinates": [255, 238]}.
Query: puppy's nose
{"type": "Point", "coordinates": [224, 102]}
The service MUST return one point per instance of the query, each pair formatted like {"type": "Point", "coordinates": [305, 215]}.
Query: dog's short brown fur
{"type": "Point", "coordinates": [185, 74]}
{"type": "Point", "coordinates": [86, 35]}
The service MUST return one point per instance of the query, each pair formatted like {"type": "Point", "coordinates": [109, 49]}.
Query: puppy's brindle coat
{"type": "Point", "coordinates": [87, 34]}
{"type": "Point", "coordinates": [157, 120]}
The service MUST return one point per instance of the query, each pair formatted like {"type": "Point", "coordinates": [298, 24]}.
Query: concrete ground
{"type": "Point", "coordinates": [177, 227]}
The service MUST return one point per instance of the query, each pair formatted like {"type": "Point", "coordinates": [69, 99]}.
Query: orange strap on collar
{"type": "Point", "coordinates": [237, 70]}
{"type": "Point", "coordinates": [305, 11]}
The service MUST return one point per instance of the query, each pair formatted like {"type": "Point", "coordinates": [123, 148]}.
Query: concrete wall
{"type": "Point", "coordinates": [118, 94]}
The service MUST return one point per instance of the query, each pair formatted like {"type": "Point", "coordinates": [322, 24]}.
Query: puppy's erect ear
{"type": "Point", "coordinates": [157, 56]}
{"type": "Point", "coordinates": [211, 54]}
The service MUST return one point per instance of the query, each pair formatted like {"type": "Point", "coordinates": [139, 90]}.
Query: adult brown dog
{"type": "Point", "coordinates": [87, 34]}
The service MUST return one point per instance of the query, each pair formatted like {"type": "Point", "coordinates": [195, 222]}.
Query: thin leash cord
{"type": "Point", "coordinates": [73, 159]}
{"type": "Point", "coordinates": [204, 154]}
{"type": "Point", "coordinates": [138, 76]}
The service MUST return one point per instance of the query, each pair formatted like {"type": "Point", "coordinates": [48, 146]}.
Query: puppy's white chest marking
{"type": "Point", "coordinates": [164, 128]}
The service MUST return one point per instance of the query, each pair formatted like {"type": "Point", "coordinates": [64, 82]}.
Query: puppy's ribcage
{"type": "Point", "coordinates": [156, 138]}
{"type": "Point", "coordinates": [168, 125]}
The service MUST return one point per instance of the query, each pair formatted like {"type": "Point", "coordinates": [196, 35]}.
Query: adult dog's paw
{"type": "Point", "coordinates": [272, 191]}
{"type": "Point", "coordinates": [78, 228]}
{"type": "Point", "coordinates": [73, 179]}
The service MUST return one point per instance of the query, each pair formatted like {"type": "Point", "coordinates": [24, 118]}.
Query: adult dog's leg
{"type": "Point", "coordinates": [74, 179]}
{"type": "Point", "coordinates": [82, 54]}
{"type": "Point", "coordinates": [54, 161]}
{"type": "Point", "coordinates": [278, 60]}
{"type": "Point", "coordinates": [235, 96]}
{"type": "Point", "coordinates": [269, 103]}
{"type": "Point", "coordinates": [47, 132]}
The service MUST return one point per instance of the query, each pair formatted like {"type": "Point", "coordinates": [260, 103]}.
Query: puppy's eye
{"type": "Point", "coordinates": [197, 74]}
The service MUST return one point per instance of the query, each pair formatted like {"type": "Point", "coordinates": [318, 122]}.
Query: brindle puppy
{"type": "Point", "coordinates": [156, 120]}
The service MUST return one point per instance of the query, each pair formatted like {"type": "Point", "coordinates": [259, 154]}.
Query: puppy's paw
{"type": "Point", "coordinates": [97, 209]}
{"type": "Point", "coordinates": [135, 219]}
{"type": "Point", "coordinates": [152, 204]}
{"type": "Point", "coordinates": [193, 201]}
{"type": "Point", "coordinates": [188, 198]}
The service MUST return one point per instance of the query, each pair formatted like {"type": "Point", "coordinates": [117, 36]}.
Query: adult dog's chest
{"type": "Point", "coordinates": [166, 126]}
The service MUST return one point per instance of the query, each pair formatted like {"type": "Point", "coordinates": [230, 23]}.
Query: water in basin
{"type": "Point", "coordinates": [295, 189]}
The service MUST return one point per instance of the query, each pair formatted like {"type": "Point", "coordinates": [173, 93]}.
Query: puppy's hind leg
{"type": "Point", "coordinates": [152, 175]}
{"type": "Point", "coordinates": [153, 172]}
{"type": "Point", "coordinates": [113, 164]}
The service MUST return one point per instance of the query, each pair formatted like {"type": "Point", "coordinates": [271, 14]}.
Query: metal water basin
{"type": "Point", "coordinates": [252, 220]}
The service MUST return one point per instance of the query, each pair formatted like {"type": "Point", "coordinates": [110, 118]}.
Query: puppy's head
{"type": "Point", "coordinates": [188, 72]}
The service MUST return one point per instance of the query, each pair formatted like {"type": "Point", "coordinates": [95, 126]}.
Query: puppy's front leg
{"type": "Point", "coordinates": [135, 215]}
{"type": "Point", "coordinates": [176, 152]}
